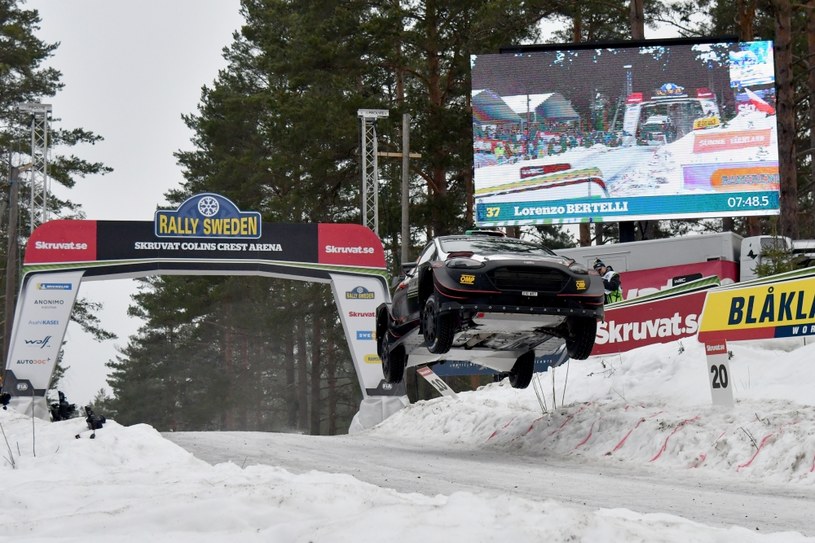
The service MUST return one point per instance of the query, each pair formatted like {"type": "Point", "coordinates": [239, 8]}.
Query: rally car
{"type": "Point", "coordinates": [488, 299]}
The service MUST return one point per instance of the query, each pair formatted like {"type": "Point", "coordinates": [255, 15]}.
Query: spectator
{"type": "Point", "coordinates": [62, 410]}
{"type": "Point", "coordinates": [611, 281]}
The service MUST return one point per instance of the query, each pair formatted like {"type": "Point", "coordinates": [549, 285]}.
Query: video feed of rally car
{"type": "Point", "coordinates": [570, 133]}
{"type": "Point", "coordinates": [488, 299]}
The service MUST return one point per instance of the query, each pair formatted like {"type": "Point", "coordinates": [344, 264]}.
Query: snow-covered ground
{"type": "Point", "coordinates": [662, 173]}
{"type": "Point", "coordinates": [649, 409]}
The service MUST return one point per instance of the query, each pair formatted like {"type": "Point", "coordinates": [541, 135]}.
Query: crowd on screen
{"type": "Point", "coordinates": [496, 144]}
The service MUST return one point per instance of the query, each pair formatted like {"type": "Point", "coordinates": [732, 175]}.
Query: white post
{"type": "Point", "coordinates": [718, 373]}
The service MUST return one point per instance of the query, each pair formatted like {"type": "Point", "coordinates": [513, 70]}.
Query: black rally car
{"type": "Point", "coordinates": [489, 299]}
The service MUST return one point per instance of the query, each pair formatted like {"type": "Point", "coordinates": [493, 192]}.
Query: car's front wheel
{"type": "Point", "coordinates": [580, 334]}
{"type": "Point", "coordinates": [393, 360]}
{"type": "Point", "coordinates": [521, 373]}
{"type": "Point", "coordinates": [438, 328]}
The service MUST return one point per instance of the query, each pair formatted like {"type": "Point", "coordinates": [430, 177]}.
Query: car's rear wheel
{"type": "Point", "coordinates": [438, 328]}
{"type": "Point", "coordinates": [521, 373]}
{"type": "Point", "coordinates": [393, 360]}
{"type": "Point", "coordinates": [580, 334]}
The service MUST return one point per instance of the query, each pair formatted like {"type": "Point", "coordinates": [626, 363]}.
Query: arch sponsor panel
{"type": "Point", "coordinates": [40, 321]}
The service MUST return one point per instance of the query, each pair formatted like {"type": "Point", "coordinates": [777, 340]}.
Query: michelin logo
{"type": "Point", "coordinates": [54, 286]}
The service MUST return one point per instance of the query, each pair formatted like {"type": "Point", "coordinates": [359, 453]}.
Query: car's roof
{"type": "Point", "coordinates": [484, 241]}
{"type": "Point", "coordinates": [480, 237]}
{"type": "Point", "coordinates": [656, 119]}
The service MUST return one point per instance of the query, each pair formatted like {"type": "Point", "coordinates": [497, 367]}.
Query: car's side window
{"type": "Point", "coordinates": [427, 255]}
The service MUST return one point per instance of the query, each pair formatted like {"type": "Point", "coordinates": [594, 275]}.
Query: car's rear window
{"type": "Point", "coordinates": [487, 245]}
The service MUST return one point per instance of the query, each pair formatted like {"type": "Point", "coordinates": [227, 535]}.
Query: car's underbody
{"type": "Point", "coordinates": [494, 341]}
{"type": "Point", "coordinates": [505, 342]}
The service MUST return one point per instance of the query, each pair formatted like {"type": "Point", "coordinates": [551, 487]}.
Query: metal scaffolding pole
{"type": "Point", "coordinates": [370, 167]}
{"type": "Point", "coordinates": [39, 182]}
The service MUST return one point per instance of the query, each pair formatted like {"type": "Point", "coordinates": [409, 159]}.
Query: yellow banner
{"type": "Point", "coordinates": [763, 306]}
{"type": "Point", "coordinates": [706, 122]}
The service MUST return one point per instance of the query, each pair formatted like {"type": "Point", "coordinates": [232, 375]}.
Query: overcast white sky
{"type": "Point", "coordinates": [130, 70]}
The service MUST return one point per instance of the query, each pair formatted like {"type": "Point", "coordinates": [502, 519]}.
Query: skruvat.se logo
{"type": "Point", "coordinates": [60, 245]}
{"type": "Point", "coordinates": [362, 314]}
{"type": "Point", "coordinates": [666, 327]}
{"type": "Point", "coordinates": [358, 250]}
{"type": "Point", "coordinates": [360, 293]}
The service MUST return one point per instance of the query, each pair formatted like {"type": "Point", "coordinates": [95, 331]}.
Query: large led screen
{"type": "Point", "coordinates": [676, 129]}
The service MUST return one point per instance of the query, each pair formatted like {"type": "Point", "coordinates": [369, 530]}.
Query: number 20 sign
{"type": "Point", "coordinates": [718, 365]}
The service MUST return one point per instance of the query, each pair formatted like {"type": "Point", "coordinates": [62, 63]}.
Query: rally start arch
{"type": "Point", "coordinates": [206, 235]}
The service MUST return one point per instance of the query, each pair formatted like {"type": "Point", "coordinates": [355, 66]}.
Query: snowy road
{"type": "Point", "coordinates": [616, 161]}
{"type": "Point", "coordinates": [443, 469]}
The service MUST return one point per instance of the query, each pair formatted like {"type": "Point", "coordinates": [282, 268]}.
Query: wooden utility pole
{"type": "Point", "coordinates": [405, 187]}
{"type": "Point", "coordinates": [405, 155]}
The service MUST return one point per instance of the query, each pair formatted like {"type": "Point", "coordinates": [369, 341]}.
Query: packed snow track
{"type": "Point", "coordinates": [431, 470]}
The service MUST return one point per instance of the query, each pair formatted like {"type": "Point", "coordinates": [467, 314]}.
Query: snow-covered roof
{"type": "Point", "coordinates": [550, 105]}
{"type": "Point", "coordinates": [488, 105]}
{"type": "Point", "coordinates": [521, 103]}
